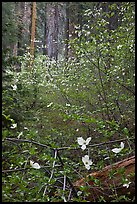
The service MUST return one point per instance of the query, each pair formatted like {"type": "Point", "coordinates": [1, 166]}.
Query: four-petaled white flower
{"type": "Point", "coordinates": [25, 128]}
{"type": "Point", "coordinates": [87, 162]}
{"type": "Point", "coordinates": [34, 165]}
{"type": "Point", "coordinates": [14, 126]}
{"type": "Point", "coordinates": [21, 133]}
{"type": "Point", "coordinates": [14, 87]}
{"type": "Point", "coordinates": [117, 150]}
{"type": "Point", "coordinates": [83, 142]}
{"type": "Point", "coordinates": [50, 104]}
{"type": "Point", "coordinates": [126, 184]}
{"type": "Point", "coordinates": [67, 104]}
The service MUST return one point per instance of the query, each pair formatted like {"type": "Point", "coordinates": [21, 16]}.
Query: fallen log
{"type": "Point", "coordinates": [111, 182]}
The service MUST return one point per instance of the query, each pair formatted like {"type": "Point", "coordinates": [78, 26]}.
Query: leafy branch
{"type": "Point", "coordinates": [64, 148]}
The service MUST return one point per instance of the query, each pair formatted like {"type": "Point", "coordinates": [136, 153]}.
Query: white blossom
{"type": "Point", "coordinates": [83, 142]}
{"type": "Point", "coordinates": [14, 87]}
{"type": "Point", "coordinates": [117, 150]}
{"type": "Point", "coordinates": [50, 104]}
{"type": "Point", "coordinates": [34, 165]}
{"type": "Point", "coordinates": [25, 128]}
{"type": "Point", "coordinates": [79, 193]}
{"type": "Point", "coordinates": [67, 104]}
{"type": "Point", "coordinates": [21, 133]}
{"type": "Point", "coordinates": [119, 47]}
{"type": "Point", "coordinates": [13, 126]}
{"type": "Point", "coordinates": [87, 162]}
{"type": "Point", "coordinates": [127, 183]}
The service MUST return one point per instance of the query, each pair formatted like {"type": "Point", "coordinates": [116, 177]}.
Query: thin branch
{"type": "Point", "coordinates": [14, 170]}
{"type": "Point", "coordinates": [96, 145]}
{"type": "Point", "coordinates": [103, 89]}
{"type": "Point", "coordinates": [28, 141]}
{"type": "Point", "coordinates": [24, 169]}
{"type": "Point", "coordinates": [69, 196]}
{"type": "Point", "coordinates": [91, 61]}
{"type": "Point", "coordinates": [52, 172]}
{"type": "Point", "coordinates": [64, 148]}
{"type": "Point", "coordinates": [64, 187]}
{"type": "Point", "coordinates": [70, 183]}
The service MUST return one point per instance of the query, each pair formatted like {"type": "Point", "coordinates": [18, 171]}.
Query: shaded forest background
{"type": "Point", "coordinates": [68, 71]}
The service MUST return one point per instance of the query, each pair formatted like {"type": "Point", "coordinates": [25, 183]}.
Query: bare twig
{"type": "Point", "coordinates": [69, 148]}
{"type": "Point", "coordinates": [69, 196]}
{"type": "Point", "coordinates": [96, 145]}
{"type": "Point", "coordinates": [70, 183]}
{"type": "Point", "coordinates": [64, 187]}
{"type": "Point", "coordinates": [28, 141]}
{"type": "Point", "coordinates": [24, 169]}
{"type": "Point", "coordinates": [91, 61]}
{"type": "Point", "coordinates": [14, 170]}
{"type": "Point", "coordinates": [52, 172]}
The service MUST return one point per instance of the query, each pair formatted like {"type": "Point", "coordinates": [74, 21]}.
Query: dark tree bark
{"type": "Point", "coordinates": [62, 29]}
{"type": "Point", "coordinates": [67, 31]}
{"type": "Point", "coordinates": [33, 29]}
{"type": "Point", "coordinates": [52, 30]}
{"type": "Point", "coordinates": [57, 30]}
{"type": "Point", "coordinates": [23, 14]}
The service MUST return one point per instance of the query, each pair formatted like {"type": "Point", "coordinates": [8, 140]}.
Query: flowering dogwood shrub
{"type": "Point", "coordinates": [83, 142]}
{"type": "Point", "coordinates": [87, 162]}
{"type": "Point", "coordinates": [117, 150]}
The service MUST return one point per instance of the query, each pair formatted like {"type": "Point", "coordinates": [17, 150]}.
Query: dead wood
{"type": "Point", "coordinates": [108, 182]}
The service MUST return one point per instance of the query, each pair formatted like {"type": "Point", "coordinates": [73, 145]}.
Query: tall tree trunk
{"type": "Point", "coordinates": [33, 29]}
{"type": "Point", "coordinates": [62, 21]}
{"type": "Point", "coordinates": [27, 23]}
{"type": "Point", "coordinates": [23, 13]}
{"type": "Point", "coordinates": [45, 34]}
{"type": "Point", "coordinates": [52, 30]}
{"type": "Point", "coordinates": [73, 21]}
{"type": "Point", "coordinates": [20, 12]}
{"type": "Point", "coordinates": [57, 30]}
{"type": "Point", "coordinates": [67, 31]}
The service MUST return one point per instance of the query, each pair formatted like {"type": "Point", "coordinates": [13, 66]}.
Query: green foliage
{"type": "Point", "coordinates": [53, 103]}
{"type": "Point", "coordinates": [8, 24]}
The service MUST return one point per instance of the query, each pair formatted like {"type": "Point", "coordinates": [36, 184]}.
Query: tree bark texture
{"type": "Point", "coordinates": [61, 18]}
{"type": "Point", "coordinates": [109, 181]}
{"type": "Point", "coordinates": [62, 21]}
{"type": "Point", "coordinates": [33, 29]}
{"type": "Point", "coordinates": [67, 31]}
{"type": "Point", "coordinates": [23, 13]}
{"type": "Point", "coordinates": [56, 24]}
{"type": "Point", "coordinates": [52, 30]}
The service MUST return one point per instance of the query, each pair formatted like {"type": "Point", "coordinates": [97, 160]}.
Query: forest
{"type": "Point", "coordinates": [68, 101]}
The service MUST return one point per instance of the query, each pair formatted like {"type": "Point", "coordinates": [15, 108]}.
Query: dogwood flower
{"type": "Point", "coordinates": [14, 87]}
{"type": "Point", "coordinates": [117, 150]}
{"type": "Point", "coordinates": [50, 104]}
{"type": "Point", "coordinates": [83, 142]}
{"type": "Point", "coordinates": [126, 184]}
{"type": "Point", "coordinates": [25, 128]}
{"type": "Point", "coordinates": [21, 133]}
{"type": "Point", "coordinates": [87, 162]}
{"type": "Point", "coordinates": [13, 126]}
{"type": "Point", "coordinates": [79, 193]}
{"type": "Point", "coordinates": [34, 165]}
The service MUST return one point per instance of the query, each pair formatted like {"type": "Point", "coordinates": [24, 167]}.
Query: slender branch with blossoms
{"type": "Point", "coordinates": [83, 143]}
